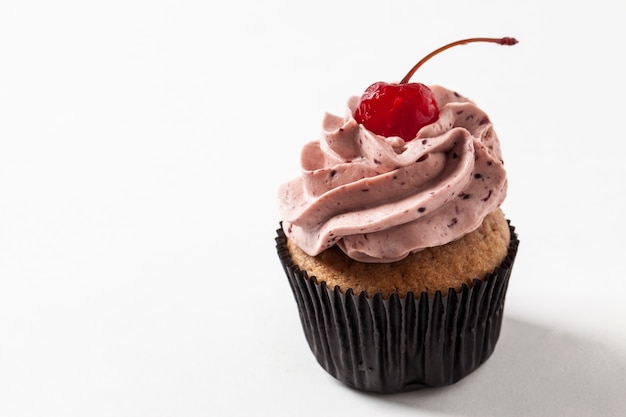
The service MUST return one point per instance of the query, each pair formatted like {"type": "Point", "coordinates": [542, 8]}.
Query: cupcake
{"type": "Point", "coordinates": [393, 240]}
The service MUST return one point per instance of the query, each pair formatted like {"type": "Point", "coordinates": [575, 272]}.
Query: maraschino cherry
{"type": "Point", "coordinates": [402, 109]}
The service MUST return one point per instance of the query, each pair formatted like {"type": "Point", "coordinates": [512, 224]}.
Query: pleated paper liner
{"type": "Point", "coordinates": [400, 344]}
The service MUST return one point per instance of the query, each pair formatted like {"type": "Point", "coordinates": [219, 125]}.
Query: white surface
{"type": "Point", "coordinates": [141, 145]}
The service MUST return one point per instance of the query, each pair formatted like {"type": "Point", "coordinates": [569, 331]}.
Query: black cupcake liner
{"type": "Point", "coordinates": [400, 343]}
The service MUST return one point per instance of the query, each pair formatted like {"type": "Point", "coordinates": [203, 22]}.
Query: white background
{"type": "Point", "coordinates": [141, 146]}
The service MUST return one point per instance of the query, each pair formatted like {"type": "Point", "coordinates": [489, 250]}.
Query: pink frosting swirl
{"type": "Point", "coordinates": [381, 198]}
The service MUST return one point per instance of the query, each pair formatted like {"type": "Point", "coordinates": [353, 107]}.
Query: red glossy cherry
{"type": "Point", "coordinates": [396, 109]}
{"type": "Point", "coordinates": [402, 109]}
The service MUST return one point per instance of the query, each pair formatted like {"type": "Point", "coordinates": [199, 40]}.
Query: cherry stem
{"type": "Point", "coordinates": [501, 41]}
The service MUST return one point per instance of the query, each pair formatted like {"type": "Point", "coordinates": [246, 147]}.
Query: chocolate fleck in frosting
{"type": "Point", "coordinates": [379, 199]}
